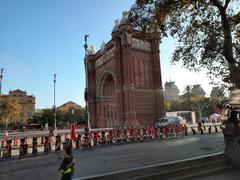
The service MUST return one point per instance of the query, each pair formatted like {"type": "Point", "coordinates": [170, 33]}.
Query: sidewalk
{"type": "Point", "coordinates": [231, 175]}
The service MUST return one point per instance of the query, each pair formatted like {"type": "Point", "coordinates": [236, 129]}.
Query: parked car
{"type": "Point", "coordinates": [169, 120]}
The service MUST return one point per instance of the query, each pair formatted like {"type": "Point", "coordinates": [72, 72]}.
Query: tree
{"type": "Point", "coordinates": [198, 103]}
{"type": "Point", "coordinates": [208, 32]}
{"type": "Point", "coordinates": [9, 109]}
{"type": "Point", "coordinates": [64, 117]}
{"type": "Point", "coordinates": [167, 105]}
{"type": "Point", "coordinates": [44, 116]}
{"type": "Point", "coordinates": [179, 106]}
{"type": "Point", "coordinates": [187, 95]}
{"type": "Point", "coordinates": [216, 92]}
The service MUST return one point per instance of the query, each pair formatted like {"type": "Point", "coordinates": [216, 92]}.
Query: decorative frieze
{"type": "Point", "coordinates": [105, 57]}
{"type": "Point", "coordinates": [141, 45]}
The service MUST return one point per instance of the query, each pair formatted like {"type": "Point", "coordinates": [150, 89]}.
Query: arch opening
{"type": "Point", "coordinates": [108, 99]}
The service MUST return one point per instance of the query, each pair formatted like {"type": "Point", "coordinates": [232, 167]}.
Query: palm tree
{"type": "Point", "coordinates": [188, 94]}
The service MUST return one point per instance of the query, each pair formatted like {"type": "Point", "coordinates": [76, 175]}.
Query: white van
{"type": "Point", "coordinates": [169, 120]}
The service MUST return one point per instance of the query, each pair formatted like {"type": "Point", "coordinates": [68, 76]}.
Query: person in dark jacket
{"type": "Point", "coordinates": [67, 165]}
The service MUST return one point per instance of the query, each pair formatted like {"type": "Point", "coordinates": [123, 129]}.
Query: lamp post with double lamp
{"type": "Point", "coordinates": [1, 77]}
{"type": "Point", "coordinates": [86, 117]}
{"type": "Point", "coordinates": [54, 106]}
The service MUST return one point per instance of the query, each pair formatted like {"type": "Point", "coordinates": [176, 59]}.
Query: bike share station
{"type": "Point", "coordinates": [22, 147]}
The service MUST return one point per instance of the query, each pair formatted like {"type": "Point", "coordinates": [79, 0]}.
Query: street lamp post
{"type": "Point", "coordinates": [86, 81]}
{"type": "Point", "coordinates": [54, 106]}
{"type": "Point", "coordinates": [1, 76]}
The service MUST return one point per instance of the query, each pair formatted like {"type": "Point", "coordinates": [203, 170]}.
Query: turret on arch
{"type": "Point", "coordinates": [124, 80]}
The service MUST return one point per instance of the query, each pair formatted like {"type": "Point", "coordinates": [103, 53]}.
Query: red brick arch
{"type": "Point", "coordinates": [124, 81]}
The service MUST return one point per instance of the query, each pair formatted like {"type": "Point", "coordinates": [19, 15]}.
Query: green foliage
{"type": "Point", "coordinates": [167, 105]}
{"type": "Point", "coordinates": [10, 109]}
{"type": "Point", "coordinates": [208, 32]}
{"type": "Point", "coordinates": [63, 117]}
{"type": "Point", "coordinates": [203, 106]}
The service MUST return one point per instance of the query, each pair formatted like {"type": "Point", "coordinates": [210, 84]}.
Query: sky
{"type": "Point", "coordinates": [41, 38]}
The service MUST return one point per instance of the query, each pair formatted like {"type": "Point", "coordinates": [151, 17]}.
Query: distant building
{"type": "Point", "coordinates": [197, 90]}
{"type": "Point", "coordinates": [27, 103]}
{"type": "Point", "coordinates": [171, 91]}
{"type": "Point", "coordinates": [216, 92]}
{"type": "Point", "coordinates": [69, 106]}
{"type": "Point", "coordinates": [72, 113]}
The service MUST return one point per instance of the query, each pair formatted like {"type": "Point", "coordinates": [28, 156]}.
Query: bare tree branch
{"type": "Point", "coordinates": [226, 4]}
{"type": "Point", "coordinates": [217, 4]}
{"type": "Point", "coordinates": [237, 48]}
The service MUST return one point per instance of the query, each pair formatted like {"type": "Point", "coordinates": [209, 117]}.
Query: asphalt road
{"type": "Point", "coordinates": [119, 157]}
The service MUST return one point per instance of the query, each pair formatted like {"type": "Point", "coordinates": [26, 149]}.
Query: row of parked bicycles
{"type": "Point", "coordinates": [90, 139]}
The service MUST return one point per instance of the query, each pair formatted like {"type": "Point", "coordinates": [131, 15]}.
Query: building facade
{"type": "Point", "coordinates": [197, 90]}
{"type": "Point", "coordinates": [171, 91]}
{"type": "Point", "coordinates": [124, 79]}
{"type": "Point", "coordinates": [27, 103]}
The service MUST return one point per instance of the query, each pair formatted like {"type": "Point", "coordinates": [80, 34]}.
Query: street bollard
{"type": "Point", "coordinates": [34, 146]}
{"type": "Point", "coordinates": [25, 149]}
{"type": "Point", "coordinates": [209, 129]}
{"type": "Point", "coordinates": [185, 130]}
{"type": "Point", "coordinates": [204, 127]}
{"type": "Point", "coordinates": [103, 138]}
{"type": "Point", "coordinates": [201, 129]}
{"type": "Point", "coordinates": [58, 144]}
{"type": "Point", "coordinates": [95, 143]}
{"type": "Point", "coordinates": [42, 140]}
{"type": "Point", "coordinates": [21, 150]}
{"type": "Point", "coordinates": [78, 139]}
{"type": "Point", "coordinates": [2, 143]}
{"type": "Point", "coordinates": [47, 145]}
{"type": "Point", "coordinates": [216, 129]}
{"type": "Point", "coordinates": [110, 137]}
{"type": "Point", "coordinates": [194, 131]}
{"type": "Point", "coordinates": [118, 136]}
{"type": "Point", "coordinates": [156, 135]}
{"type": "Point", "coordinates": [15, 141]}
{"type": "Point", "coordinates": [8, 149]}
{"type": "Point", "coordinates": [2, 154]}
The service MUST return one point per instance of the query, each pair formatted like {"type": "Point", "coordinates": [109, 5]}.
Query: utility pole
{"type": "Point", "coordinates": [54, 106]}
{"type": "Point", "coordinates": [1, 77]}
{"type": "Point", "coordinates": [86, 88]}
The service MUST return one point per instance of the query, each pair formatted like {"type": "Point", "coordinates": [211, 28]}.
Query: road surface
{"type": "Point", "coordinates": [118, 157]}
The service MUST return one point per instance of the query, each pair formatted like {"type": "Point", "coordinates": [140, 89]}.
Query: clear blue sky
{"type": "Point", "coordinates": [40, 38]}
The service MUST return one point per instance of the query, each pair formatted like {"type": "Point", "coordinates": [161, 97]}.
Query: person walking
{"type": "Point", "coordinates": [67, 165]}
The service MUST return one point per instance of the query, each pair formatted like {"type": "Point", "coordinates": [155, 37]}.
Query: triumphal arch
{"type": "Point", "coordinates": [124, 79]}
